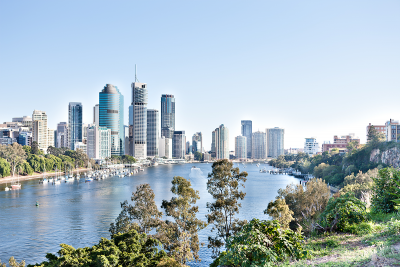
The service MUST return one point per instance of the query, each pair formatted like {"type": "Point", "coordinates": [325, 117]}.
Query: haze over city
{"type": "Point", "coordinates": [314, 68]}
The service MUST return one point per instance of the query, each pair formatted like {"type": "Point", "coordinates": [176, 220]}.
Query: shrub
{"type": "Point", "coordinates": [280, 211]}
{"type": "Point", "coordinates": [393, 227]}
{"type": "Point", "coordinates": [343, 211]}
{"type": "Point", "coordinates": [5, 168]}
{"type": "Point", "coordinates": [384, 190]}
{"type": "Point", "coordinates": [363, 228]}
{"type": "Point", "coordinates": [261, 243]}
{"type": "Point", "coordinates": [331, 243]}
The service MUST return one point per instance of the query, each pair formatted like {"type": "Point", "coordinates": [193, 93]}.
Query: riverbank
{"type": "Point", "coordinates": [9, 179]}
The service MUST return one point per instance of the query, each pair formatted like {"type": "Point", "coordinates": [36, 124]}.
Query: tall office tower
{"type": "Point", "coordinates": [259, 145]}
{"type": "Point", "coordinates": [167, 115]}
{"type": "Point", "coordinates": [247, 130]}
{"type": "Point", "coordinates": [111, 116]}
{"type": "Point", "coordinates": [50, 137]}
{"type": "Point", "coordinates": [75, 123]}
{"type": "Point", "coordinates": [197, 143]}
{"type": "Point", "coordinates": [138, 118]}
{"type": "Point", "coordinates": [126, 132]}
{"type": "Point", "coordinates": [220, 142]}
{"type": "Point", "coordinates": [153, 132]}
{"type": "Point", "coordinates": [178, 145]}
{"type": "Point", "coordinates": [96, 115]}
{"type": "Point", "coordinates": [275, 142]}
{"type": "Point", "coordinates": [39, 129]}
{"type": "Point", "coordinates": [241, 147]}
{"type": "Point", "coordinates": [62, 135]}
{"type": "Point", "coordinates": [188, 148]}
{"type": "Point", "coordinates": [98, 142]}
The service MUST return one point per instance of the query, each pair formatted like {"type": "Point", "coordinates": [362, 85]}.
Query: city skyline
{"type": "Point", "coordinates": [310, 68]}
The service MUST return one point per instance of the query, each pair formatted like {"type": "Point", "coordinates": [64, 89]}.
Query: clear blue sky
{"type": "Point", "coordinates": [315, 68]}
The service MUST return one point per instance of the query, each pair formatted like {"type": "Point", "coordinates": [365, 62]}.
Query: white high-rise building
{"type": "Point", "coordinates": [138, 118]}
{"type": "Point", "coordinates": [98, 142]}
{"type": "Point", "coordinates": [311, 146]}
{"type": "Point", "coordinates": [241, 147]}
{"type": "Point", "coordinates": [40, 130]}
{"type": "Point", "coordinates": [259, 145]}
{"type": "Point", "coordinates": [96, 115]}
{"type": "Point", "coordinates": [165, 147]}
{"type": "Point", "coordinates": [50, 137]}
{"type": "Point", "coordinates": [275, 142]}
{"type": "Point", "coordinates": [62, 135]}
{"type": "Point", "coordinates": [220, 142]}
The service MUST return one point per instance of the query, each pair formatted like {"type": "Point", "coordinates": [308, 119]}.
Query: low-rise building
{"type": "Point", "coordinates": [379, 128]}
{"type": "Point", "coordinates": [311, 146]}
{"type": "Point", "coordinates": [340, 142]}
{"type": "Point", "coordinates": [392, 131]}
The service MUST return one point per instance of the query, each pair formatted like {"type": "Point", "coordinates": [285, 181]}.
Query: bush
{"type": "Point", "coordinates": [363, 228]}
{"type": "Point", "coordinates": [332, 243]}
{"type": "Point", "coordinates": [393, 227]}
{"type": "Point", "coordinates": [5, 168]}
{"type": "Point", "coordinates": [384, 190]}
{"type": "Point", "coordinates": [261, 243]}
{"type": "Point", "coordinates": [343, 211]}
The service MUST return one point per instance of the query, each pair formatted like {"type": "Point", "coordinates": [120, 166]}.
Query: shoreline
{"type": "Point", "coordinates": [9, 179]}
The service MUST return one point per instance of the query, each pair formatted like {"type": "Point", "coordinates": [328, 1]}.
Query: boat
{"type": "Point", "coordinates": [17, 185]}
{"type": "Point", "coordinates": [263, 170]}
{"type": "Point", "coordinates": [258, 165]}
{"type": "Point", "coordinates": [7, 188]}
{"type": "Point", "coordinates": [88, 179]}
{"type": "Point", "coordinates": [37, 204]}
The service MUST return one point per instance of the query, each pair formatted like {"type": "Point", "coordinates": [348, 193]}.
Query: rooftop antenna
{"type": "Point", "coordinates": [136, 79]}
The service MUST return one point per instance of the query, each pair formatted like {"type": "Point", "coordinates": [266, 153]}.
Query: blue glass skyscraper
{"type": "Point", "coordinates": [75, 123]}
{"type": "Point", "coordinates": [111, 116]}
{"type": "Point", "coordinates": [167, 115]}
{"type": "Point", "coordinates": [247, 130]}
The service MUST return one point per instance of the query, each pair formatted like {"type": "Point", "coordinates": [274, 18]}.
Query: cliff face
{"type": "Point", "coordinates": [390, 157]}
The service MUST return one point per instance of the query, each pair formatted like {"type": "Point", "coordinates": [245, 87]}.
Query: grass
{"type": "Point", "coordinates": [379, 237]}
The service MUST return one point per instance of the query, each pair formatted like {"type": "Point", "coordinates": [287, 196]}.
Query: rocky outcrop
{"type": "Point", "coordinates": [390, 157]}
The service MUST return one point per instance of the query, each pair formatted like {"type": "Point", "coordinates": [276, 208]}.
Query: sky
{"type": "Point", "coordinates": [314, 68]}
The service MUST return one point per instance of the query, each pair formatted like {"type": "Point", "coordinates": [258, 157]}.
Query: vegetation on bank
{"type": "Point", "coordinates": [25, 160]}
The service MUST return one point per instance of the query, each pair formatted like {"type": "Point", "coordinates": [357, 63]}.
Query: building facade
{"type": "Point", "coordinates": [138, 118]}
{"type": "Point", "coordinates": [98, 142]}
{"type": "Point", "coordinates": [340, 142]}
{"type": "Point", "coordinates": [259, 145]}
{"type": "Point", "coordinates": [75, 123]}
{"type": "Point", "coordinates": [311, 146]}
{"type": "Point", "coordinates": [62, 135]}
{"type": "Point", "coordinates": [392, 131]}
{"type": "Point", "coordinates": [275, 142]}
{"type": "Point", "coordinates": [153, 132]}
{"type": "Point", "coordinates": [241, 147]}
{"type": "Point", "coordinates": [111, 116]}
{"type": "Point", "coordinates": [247, 130]}
{"type": "Point", "coordinates": [40, 130]}
{"type": "Point", "coordinates": [26, 121]}
{"type": "Point", "coordinates": [379, 128]}
{"type": "Point", "coordinates": [178, 145]}
{"type": "Point", "coordinates": [96, 115]}
{"type": "Point", "coordinates": [220, 142]}
{"type": "Point", "coordinates": [24, 139]}
{"type": "Point", "coordinates": [167, 115]}
{"type": "Point", "coordinates": [197, 143]}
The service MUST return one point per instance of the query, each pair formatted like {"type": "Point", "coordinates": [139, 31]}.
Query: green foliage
{"type": "Point", "coordinates": [393, 227]}
{"type": "Point", "coordinates": [13, 263]}
{"type": "Point", "coordinates": [181, 207]}
{"type": "Point", "coordinates": [360, 184]}
{"type": "Point", "coordinates": [5, 168]}
{"type": "Point", "coordinates": [360, 229]}
{"type": "Point", "coordinates": [27, 150]}
{"type": "Point", "coordinates": [224, 184]}
{"type": "Point", "coordinates": [198, 156]}
{"type": "Point", "coordinates": [343, 211]}
{"type": "Point", "coordinates": [80, 158]}
{"type": "Point", "coordinates": [26, 168]}
{"type": "Point", "coordinates": [35, 149]}
{"type": "Point", "coordinates": [384, 190]}
{"type": "Point", "coordinates": [38, 163]}
{"type": "Point", "coordinates": [261, 243]}
{"type": "Point", "coordinates": [128, 249]}
{"type": "Point", "coordinates": [280, 211]}
{"type": "Point", "coordinates": [332, 242]}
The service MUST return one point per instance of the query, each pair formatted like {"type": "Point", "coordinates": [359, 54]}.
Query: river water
{"type": "Point", "coordinates": [79, 213]}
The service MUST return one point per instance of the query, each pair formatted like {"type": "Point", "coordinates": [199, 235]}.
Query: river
{"type": "Point", "coordinates": [79, 213]}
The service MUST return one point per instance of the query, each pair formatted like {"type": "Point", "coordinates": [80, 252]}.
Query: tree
{"type": "Point", "coordinates": [374, 137]}
{"type": "Point", "coordinates": [181, 208]}
{"type": "Point", "coordinates": [280, 211]}
{"type": "Point", "coordinates": [143, 216]}
{"type": "Point", "coordinates": [384, 191]}
{"type": "Point", "coordinates": [5, 168]}
{"type": "Point", "coordinates": [262, 243]}
{"type": "Point", "coordinates": [198, 156]}
{"type": "Point", "coordinates": [224, 184]}
{"type": "Point", "coordinates": [360, 184]}
{"type": "Point", "coordinates": [35, 149]}
{"type": "Point", "coordinates": [13, 263]}
{"type": "Point", "coordinates": [14, 154]}
{"type": "Point", "coordinates": [128, 249]}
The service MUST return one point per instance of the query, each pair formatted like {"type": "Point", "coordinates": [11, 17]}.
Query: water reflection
{"type": "Point", "coordinates": [79, 213]}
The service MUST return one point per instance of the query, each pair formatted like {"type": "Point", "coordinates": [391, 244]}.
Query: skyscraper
{"type": "Point", "coordinates": [62, 135]}
{"type": "Point", "coordinates": [241, 147]}
{"type": "Point", "coordinates": [247, 130]}
{"type": "Point", "coordinates": [96, 115]}
{"type": "Point", "coordinates": [275, 142]}
{"type": "Point", "coordinates": [167, 115]}
{"type": "Point", "coordinates": [197, 143]}
{"type": "Point", "coordinates": [138, 120]}
{"type": "Point", "coordinates": [75, 123]}
{"type": "Point", "coordinates": [98, 142]}
{"type": "Point", "coordinates": [153, 134]}
{"type": "Point", "coordinates": [220, 142]}
{"type": "Point", "coordinates": [178, 145]}
{"type": "Point", "coordinates": [259, 145]}
{"type": "Point", "coordinates": [111, 116]}
{"type": "Point", "coordinates": [39, 129]}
